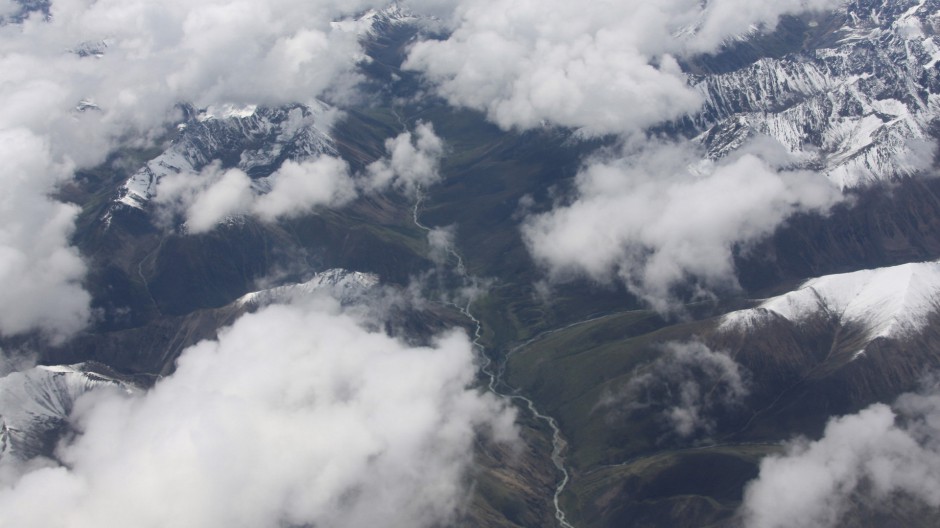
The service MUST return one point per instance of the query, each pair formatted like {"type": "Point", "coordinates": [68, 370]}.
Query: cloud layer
{"type": "Point", "coordinates": [658, 216]}
{"type": "Point", "coordinates": [297, 415]}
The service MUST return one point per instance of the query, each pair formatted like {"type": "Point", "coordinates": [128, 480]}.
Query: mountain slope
{"type": "Point", "coordinates": [890, 302]}
{"type": "Point", "coordinates": [859, 99]}
{"type": "Point", "coordinates": [35, 405]}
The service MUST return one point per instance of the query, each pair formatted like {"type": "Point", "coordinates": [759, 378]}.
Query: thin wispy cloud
{"type": "Point", "coordinates": [684, 388]}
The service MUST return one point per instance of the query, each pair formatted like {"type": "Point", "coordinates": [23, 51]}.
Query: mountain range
{"type": "Point", "coordinates": [627, 414]}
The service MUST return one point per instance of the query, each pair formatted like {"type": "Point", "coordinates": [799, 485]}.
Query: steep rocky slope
{"type": "Point", "coordinates": [35, 404]}
{"type": "Point", "coordinates": [858, 98]}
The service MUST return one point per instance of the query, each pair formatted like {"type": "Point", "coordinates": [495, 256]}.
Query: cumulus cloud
{"type": "Point", "coordinates": [297, 415]}
{"type": "Point", "coordinates": [204, 198]}
{"type": "Point", "coordinates": [876, 454]}
{"type": "Point", "coordinates": [723, 19]}
{"type": "Point", "coordinates": [128, 63]}
{"type": "Point", "coordinates": [40, 275]}
{"type": "Point", "coordinates": [214, 194]}
{"type": "Point", "coordinates": [153, 57]}
{"type": "Point", "coordinates": [602, 67]}
{"type": "Point", "coordinates": [299, 187]}
{"type": "Point", "coordinates": [659, 216]}
{"type": "Point", "coordinates": [412, 163]}
{"type": "Point", "coordinates": [685, 387]}
{"type": "Point", "coordinates": [96, 75]}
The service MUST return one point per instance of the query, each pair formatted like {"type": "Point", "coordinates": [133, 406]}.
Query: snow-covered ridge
{"type": "Point", "coordinates": [892, 302]}
{"type": "Point", "coordinates": [36, 402]}
{"type": "Point", "coordinates": [344, 285]}
{"type": "Point", "coordinates": [370, 23]}
{"type": "Point", "coordinates": [859, 110]}
{"type": "Point", "coordinates": [262, 137]}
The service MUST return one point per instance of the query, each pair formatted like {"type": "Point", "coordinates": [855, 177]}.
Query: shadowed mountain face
{"type": "Point", "coordinates": [879, 226]}
{"type": "Point", "coordinates": [626, 416]}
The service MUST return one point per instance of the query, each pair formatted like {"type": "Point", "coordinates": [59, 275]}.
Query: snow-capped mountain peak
{"type": "Point", "coordinates": [892, 302]}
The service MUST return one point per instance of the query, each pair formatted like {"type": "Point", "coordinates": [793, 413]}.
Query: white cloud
{"type": "Point", "coordinates": [659, 216]}
{"type": "Point", "coordinates": [412, 163]}
{"type": "Point", "coordinates": [296, 415]}
{"type": "Point", "coordinates": [40, 275]}
{"type": "Point", "coordinates": [873, 454]}
{"type": "Point", "coordinates": [226, 196]}
{"type": "Point", "coordinates": [602, 67]}
{"type": "Point", "coordinates": [441, 244]}
{"type": "Point", "coordinates": [577, 65]}
{"type": "Point", "coordinates": [685, 387]}
{"type": "Point", "coordinates": [299, 187]}
{"type": "Point", "coordinates": [214, 194]}
{"type": "Point", "coordinates": [722, 19]}
{"type": "Point", "coordinates": [204, 199]}
{"type": "Point", "coordinates": [8, 8]}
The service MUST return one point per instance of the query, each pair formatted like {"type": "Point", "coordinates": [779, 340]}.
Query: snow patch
{"type": "Point", "coordinates": [227, 111]}
{"type": "Point", "coordinates": [343, 284]}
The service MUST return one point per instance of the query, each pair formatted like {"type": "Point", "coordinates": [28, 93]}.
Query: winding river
{"type": "Point", "coordinates": [558, 442]}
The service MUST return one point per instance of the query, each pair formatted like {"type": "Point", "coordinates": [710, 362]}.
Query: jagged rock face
{"type": "Point", "coordinates": [859, 102]}
{"type": "Point", "coordinates": [255, 139]}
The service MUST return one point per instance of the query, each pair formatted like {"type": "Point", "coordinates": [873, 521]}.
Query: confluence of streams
{"type": "Point", "coordinates": [558, 442]}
